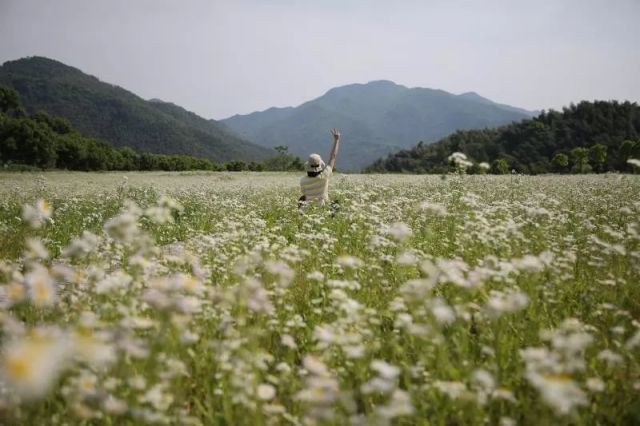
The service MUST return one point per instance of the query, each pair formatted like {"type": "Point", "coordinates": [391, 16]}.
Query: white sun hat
{"type": "Point", "coordinates": [315, 163]}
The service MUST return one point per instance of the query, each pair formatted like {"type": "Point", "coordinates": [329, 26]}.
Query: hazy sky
{"type": "Point", "coordinates": [218, 58]}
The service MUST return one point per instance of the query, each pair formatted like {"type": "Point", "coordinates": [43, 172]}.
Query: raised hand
{"type": "Point", "coordinates": [336, 134]}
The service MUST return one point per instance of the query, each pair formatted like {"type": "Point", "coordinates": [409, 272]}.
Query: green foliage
{"type": "Point", "coordinates": [283, 161]}
{"type": "Point", "coordinates": [500, 166]}
{"type": "Point", "coordinates": [580, 158]}
{"type": "Point", "coordinates": [560, 162]}
{"type": "Point", "coordinates": [46, 142]}
{"type": "Point", "coordinates": [598, 156]}
{"type": "Point", "coordinates": [9, 99]}
{"type": "Point", "coordinates": [628, 149]}
{"type": "Point", "coordinates": [116, 116]}
{"type": "Point", "coordinates": [237, 166]}
{"type": "Point", "coordinates": [531, 145]}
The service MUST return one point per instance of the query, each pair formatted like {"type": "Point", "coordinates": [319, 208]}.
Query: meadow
{"type": "Point", "coordinates": [208, 298]}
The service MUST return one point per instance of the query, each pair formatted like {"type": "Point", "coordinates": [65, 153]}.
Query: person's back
{"type": "Point", "coordinates": [315, 185]}
{"type": "Point", "coordinates": [316, 188]}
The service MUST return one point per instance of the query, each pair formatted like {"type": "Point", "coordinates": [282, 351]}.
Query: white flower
{"type": "Point", "coordinates": [634, 162]}
{"type": "Point", "coordinates": [453, 389]}
{"type": "Point", "coordinates": [559, 392]}
{"type": "Point", "coordinates": [117, 280]}
{"type": "Point", "coordinates": [157, 397]}
{"type": "Point", "coordinates": [315, 366]}
{"type": "Point", "coordinates": [633, 341]}
{"type": "Point", "coordinates": [385, 370]}
{"type": "Point", "coordinates": [94, 348]}
{"type": "Point", "coordinates": [35, 249]}
{"type": "Point", "coordinates": [433, 208]}
{"type": "Point", "coordinates": [82, 245]}
{"type": "Point", "coordinates": [41, 286]}
{"type": "Point", "coordinates": [315, 276]}
{"type": "Point", "coordinates": [280, 269]}
{"type": "Point", "coordinates": [124, 227]}
{"type": "Point", "coordinates": [399, 405]}
{"type": "Point", "coordinates": [500, 302]}
{"type": "Point", "coordinates": [595, 384]}
{"type": "Point", "coordinates": [288, 341]}
{"type": "Point", "coordinates": [37, 214]}
{"type": "Point", "coordinates": [610, 357]}
{"type": "Point", "coordinates": [442, 312]}
{"type": "Point", "coordinates": [507, 421]}
{"type": "Point", "coordinates": [484, 380]}
{"type": "Point", "coordinates": [399, 231]}
{"type": "Point", "coordinates": [113, 405]}
{"type": "Point", "coordinates": [265, 392]}
{"type": "Point", "coordinates": [407, 258]}
{"type": "Point", "coordinates": [31, 364]}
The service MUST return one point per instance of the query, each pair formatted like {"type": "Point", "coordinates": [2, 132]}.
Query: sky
{"type": "Point", "coordinates": [219, 58]}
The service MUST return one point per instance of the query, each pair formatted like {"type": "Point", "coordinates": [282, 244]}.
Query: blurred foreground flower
{"type": "Point", "coordinates": [32, 363]}
{"type": "Point", "coordinates": [36, 215]}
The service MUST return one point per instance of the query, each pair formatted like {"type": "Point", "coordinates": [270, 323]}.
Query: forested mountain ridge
{"type": "Point", "coordinates": [375, 118]}
{"type": "Point", "coordinates": [119, 117]}
{"type": "Point", "coordinates": [598, 136]}
{"type": "Point", "coordinates": [41, 141]}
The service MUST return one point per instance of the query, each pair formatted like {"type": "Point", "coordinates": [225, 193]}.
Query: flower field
{"type": "Point", "coordinates": [169, 298]}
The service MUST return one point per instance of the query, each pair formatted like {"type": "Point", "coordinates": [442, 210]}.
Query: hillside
{"type": "Point", "coordinates": [41, 141]}
{"type": "Point", "coordinates": [119, 117]}
{"type": "Point", "coordinates": [531, 145]}
{"type": "Point", "coordinates": [375, 118]}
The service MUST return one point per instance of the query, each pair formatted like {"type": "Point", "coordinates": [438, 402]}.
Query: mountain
{"type": "Point", "coordinates": [375, 118]}
{"type": "Point", "coordinates": [119, 117]}
{"type": "Point", "coordinates": [605, 133]}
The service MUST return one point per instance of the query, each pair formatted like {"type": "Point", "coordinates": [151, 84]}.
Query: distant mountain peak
{"type": "Point", "coordinates": [376, 118]}
{"type": "Point", "coordinates": [471, 95]}
{"type": "Point", "coordinates": [383, 83]}
{"type": "Point", "coordinates": [474, 96]}
{"type": "Point", "coordinates": [39, 66]}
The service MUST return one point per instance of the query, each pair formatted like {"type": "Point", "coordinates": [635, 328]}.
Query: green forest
{"type": "Point", "coordinates": [588, 137]}
{"type": "Point", "coordinates": [114, 115]}
{"type": "Point", "coordinates": [41, 141]}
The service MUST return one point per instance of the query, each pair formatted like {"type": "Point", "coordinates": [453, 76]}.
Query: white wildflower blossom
{"type": "Point", "coordinates": [434, 209]}
{"type": "Point", "coordinates": [265, 392]}
{"type": "Point", "coordinates": [442, 312]}
{"type": "Point", "coordinates": [595, 384]}
{"type": "Point", "coordinates": [41, 286]}
{"type": "Point", "coordinates": [36, 215]}
{"type": "Point", "coordinates": [399, 231]}
{"type": "Point", "coordinates": [30, 364]}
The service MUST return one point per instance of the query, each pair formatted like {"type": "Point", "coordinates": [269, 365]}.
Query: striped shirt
{"type": "Point", "coordinates": [317, 188]}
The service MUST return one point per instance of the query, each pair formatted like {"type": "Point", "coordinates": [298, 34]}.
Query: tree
{"type": "Point", "coordinates": [35, 144]}
{"type": "Point", "coordinates": [9, 99]}
{"type": "Point", "coordinates": [598, 156]}
{"type": "Point", "coordinates": [236, 166]}
{"type": "Point", "coordinates": [560, 162]}
{"type": "Point", "coordinates": [580, 160]}
{"type": "Point", "coordinates": [283, 157]}
{"type": "Point", "coordinates": [530, 145]}
{"type": "Point", "coordinates": [500, 166]}
{"type": "Point", "coordinates": [626, 151]}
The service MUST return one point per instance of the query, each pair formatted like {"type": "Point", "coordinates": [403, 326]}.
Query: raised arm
{"type": "Point", "coordinates": [334, 150]}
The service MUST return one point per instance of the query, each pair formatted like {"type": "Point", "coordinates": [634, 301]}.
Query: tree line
{"type": "Point", "coordinates": [598, 136]}
{"type": "Point", "coordinates": [41, 141]}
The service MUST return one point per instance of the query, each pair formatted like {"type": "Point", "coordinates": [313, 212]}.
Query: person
{"type": "Point", "coordinates": [315, 185]}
